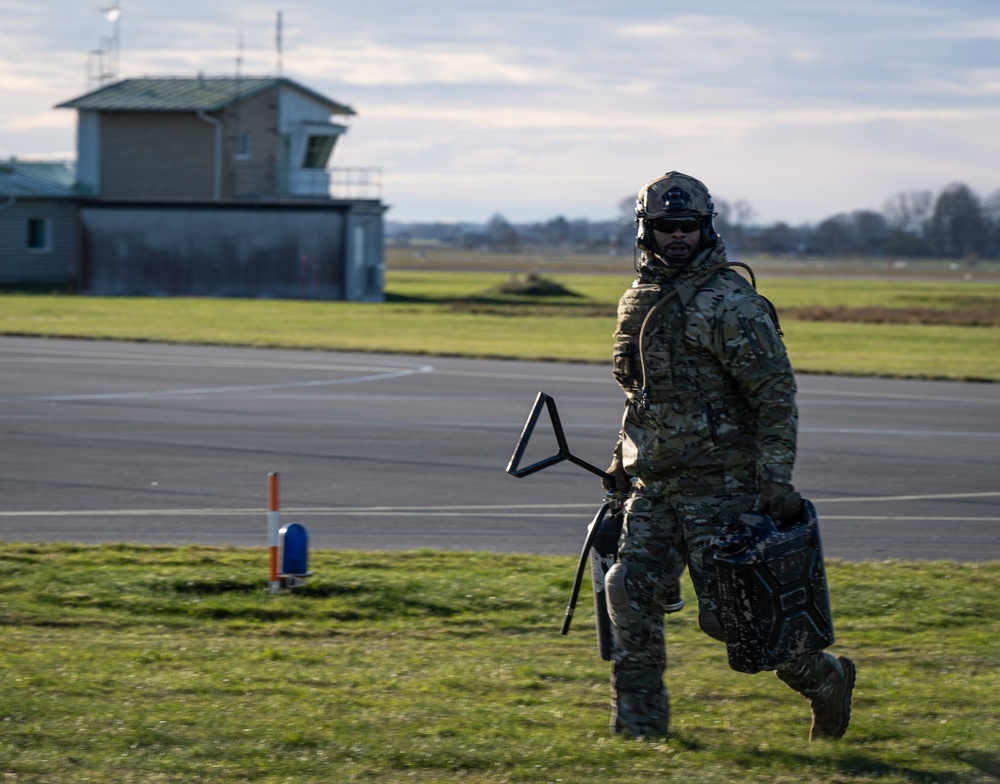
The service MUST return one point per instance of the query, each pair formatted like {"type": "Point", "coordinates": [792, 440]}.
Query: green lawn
{"type": "Point", "coordinates": [460, 314]}
{"type": "Point", "coordinates": [171, 664]}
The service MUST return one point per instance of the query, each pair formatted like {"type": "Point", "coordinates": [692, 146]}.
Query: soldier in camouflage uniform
{"type": "Point", "coordinates": [709, 430]}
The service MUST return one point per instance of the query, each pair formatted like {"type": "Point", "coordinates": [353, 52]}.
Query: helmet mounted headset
{"type": "Point", "coordinates": [681, 201]}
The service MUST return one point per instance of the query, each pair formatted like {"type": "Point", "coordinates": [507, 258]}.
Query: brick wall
{"type": "Point", "coordinates": [256, 175]}
{"type": "Point", "coordinates": [172, 155]}
{"type": "Point", "coordinates": [157, 155]}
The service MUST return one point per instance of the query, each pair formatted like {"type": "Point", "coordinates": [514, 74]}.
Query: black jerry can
{"type": "Point", "coordinates": [774, 604]}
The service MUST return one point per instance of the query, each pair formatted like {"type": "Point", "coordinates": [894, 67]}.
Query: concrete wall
{"type": "Point", "coordinates": [55, 263]}
{"type": "Point", "coordinates": [364, 268]}
{"type": "Point", "coordinates": [88, 152]}
{"type": "Point", "coordinates": [292, 251]}
{"type": "Point", "coordinates": [297, 108]}
{"type": "Point", "coordinates": [301, 117]}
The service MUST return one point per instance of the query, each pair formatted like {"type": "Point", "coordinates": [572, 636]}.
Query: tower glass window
{"type": "Point", "coordinates": [318, 149]}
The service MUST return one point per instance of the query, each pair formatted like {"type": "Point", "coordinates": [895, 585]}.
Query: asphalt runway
{"type": "Point", "coordinates": [144, 443]}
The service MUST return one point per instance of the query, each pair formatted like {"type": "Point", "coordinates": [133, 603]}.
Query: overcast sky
{"type": "Point", "coordinates": [535, 109]}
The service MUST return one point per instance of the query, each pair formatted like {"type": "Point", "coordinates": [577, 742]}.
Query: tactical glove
{"type": "Point", "coordinates": [617, 480]}
{"type": "Point", "coordinates": [781, 502]}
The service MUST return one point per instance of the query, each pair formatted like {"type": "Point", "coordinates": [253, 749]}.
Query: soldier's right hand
{"type": "Point", "coordinates": [781, 501]}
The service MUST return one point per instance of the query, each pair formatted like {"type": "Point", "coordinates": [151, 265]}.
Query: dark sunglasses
{"type": "Point", "coordinates": [670, 225]}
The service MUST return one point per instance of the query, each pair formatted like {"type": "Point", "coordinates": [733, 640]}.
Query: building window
{"type": "Point", "coordinates": [244, 146]}
{"type": "Point", "coordinates": [38, 234]}
{"type": "Point", "coordinates": [318, 149]}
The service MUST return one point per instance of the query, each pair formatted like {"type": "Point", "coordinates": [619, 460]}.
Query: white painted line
{"type": "Point", "coordinates": [897, 396]}
{"type": "Point", "coordinates": [601, 379]}
{"type": "Point", "coordinates": [330, 510]}
{"type": "Point", "coordinates": [262, 360]}
{"type": "Point", "coordinates": [167, 393]}
{"type": "Point", "coordinates": [486, 510]}
{"type": "Point", "coordinates": [930, 497]}
{"type": "Point", "coordinates": [193, 362]}
{"type": "Point", "coordinates": [860, 431]}
{"type": "Point", "coordinates": [909, 519]}
{"type": "Point", "coordinates": [180, 360]}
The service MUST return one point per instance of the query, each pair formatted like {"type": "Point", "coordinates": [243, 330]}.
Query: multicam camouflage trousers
{"type": "Point", "coordinates": [661, 537]}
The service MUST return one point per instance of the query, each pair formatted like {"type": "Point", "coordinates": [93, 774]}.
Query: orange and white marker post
{"type": "Point", "coordinates": [273, 526]}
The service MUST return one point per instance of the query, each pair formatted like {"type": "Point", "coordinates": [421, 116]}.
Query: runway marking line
{"type": "Point", "coordinates": [859, 431]}
{"type": "Point", "coordinates": [899, 396]}
{"type": "Point", "coordinates": [119, 357]}
{"type": "Point", "coordinates": [488, 510]}
{"type": "Point", "coordinates": [164, 393]}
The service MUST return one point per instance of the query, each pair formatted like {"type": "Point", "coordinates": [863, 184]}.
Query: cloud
{"type": "Point", "coordinates": [46, 120]}
{"type": "Point", "coordinates": [965, 30]}
{"type": "Point", "coordinates": [474, 108]}
{"type": "Point", "coordinates": [374, 65]}
{"type": "Point", "coordinates": [542, 122]}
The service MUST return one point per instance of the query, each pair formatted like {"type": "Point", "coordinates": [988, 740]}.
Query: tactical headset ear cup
{"type": "Point", "coordinates": [641, 238]}
{"type": "Point", "coordinates": [708, 232]}
{"type": "Point", "coordinates": [672, 194]}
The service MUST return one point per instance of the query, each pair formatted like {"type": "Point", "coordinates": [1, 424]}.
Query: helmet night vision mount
{"type": "Point", "coordinates": [673, 195]}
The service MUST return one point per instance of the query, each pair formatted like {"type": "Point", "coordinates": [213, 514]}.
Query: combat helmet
{"type": "Point", "coordinates": [673, 195]}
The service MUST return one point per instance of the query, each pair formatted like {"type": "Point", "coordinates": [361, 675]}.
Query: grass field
{"type": "Point", "coordinates": [171, 664]}
{"type": "Point", "coordinates": [948, 327]}
{"type": "Point", "coordinates": [164, 664]}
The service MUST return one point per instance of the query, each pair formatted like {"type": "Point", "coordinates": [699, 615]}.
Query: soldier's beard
{"type": "Point", "coordinates": [676, 254]}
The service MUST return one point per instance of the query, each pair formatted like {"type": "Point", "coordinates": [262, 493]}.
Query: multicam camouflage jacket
{"type": "Point", "coordinates": [718, 414]}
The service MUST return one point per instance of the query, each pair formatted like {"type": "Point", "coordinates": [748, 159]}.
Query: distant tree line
{"type": "Point", "coordinates": [954, 224]}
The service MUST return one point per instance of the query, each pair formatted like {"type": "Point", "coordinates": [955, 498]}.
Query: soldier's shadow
{"type": "Point", "coordinates": [857, 762]}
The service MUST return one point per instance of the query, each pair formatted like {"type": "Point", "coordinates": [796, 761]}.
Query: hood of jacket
{"type": "Point", "coordinates": [652, 269]}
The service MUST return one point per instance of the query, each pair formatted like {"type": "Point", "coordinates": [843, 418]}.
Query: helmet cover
{"type": "Point", "coordinates": [674, 195]}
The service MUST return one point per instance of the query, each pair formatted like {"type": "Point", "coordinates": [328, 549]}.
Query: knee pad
{"type": "Point", "coordinates": [616, 592]}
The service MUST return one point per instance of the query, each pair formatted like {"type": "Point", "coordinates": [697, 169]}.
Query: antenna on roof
{"type": "Point", "coordinates": [102, 64]}
{"type": "Point", "coordinates": [239, 57]}
{"type": "Point", "coordinates": [277, 40]}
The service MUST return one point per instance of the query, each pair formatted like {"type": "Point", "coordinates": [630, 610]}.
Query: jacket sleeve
{"type": "Point", "coordinates": [754, 354]}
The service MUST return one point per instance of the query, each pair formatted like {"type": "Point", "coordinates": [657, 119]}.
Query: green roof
{"type": "Point", "coordinates": [36, 178]}
{"type": "Point", "coordinates": [176, 94]}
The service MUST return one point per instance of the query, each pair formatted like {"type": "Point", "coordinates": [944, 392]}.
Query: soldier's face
{"type": "Point", "coordinates": [677, 240]}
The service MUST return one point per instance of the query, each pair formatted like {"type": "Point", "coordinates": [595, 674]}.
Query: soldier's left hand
{"type": "Point", "coordinates": [781, 501]}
